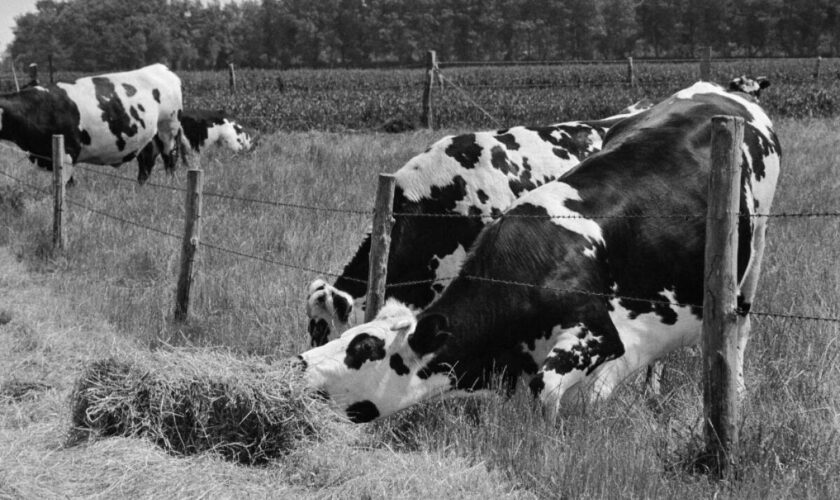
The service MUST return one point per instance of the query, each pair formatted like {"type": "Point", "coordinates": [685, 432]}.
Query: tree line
{"type": "Point", "coordinates": [92, 35]}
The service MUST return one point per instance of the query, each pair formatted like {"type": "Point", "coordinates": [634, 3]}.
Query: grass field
{"type": "Point", "coordinates": [112, 290]}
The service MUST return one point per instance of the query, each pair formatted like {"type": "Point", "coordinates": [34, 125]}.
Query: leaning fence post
{"type": "Point", "coordinates": [231, 79]}
{"type": "Point", "coordinates": [189, 247]}
{"type": "Point", "coordinates": [706, 65]}
{"type": "Point", "coordinates": [817, 69]}
{"type": "Point", "coordinates": [631, 74]}
{"type": "Point", "coordinates": [380, 244]}
{"type": "Point", "coordinates": [59, 240]}
{"type": "Point", "coordinates": [720, 296]}
{"type": "Point", "coordinates": [431, 68]}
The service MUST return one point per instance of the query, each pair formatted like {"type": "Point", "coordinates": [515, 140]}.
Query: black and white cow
{"type": "Point", "coordinates": [747, 85]}
{"type": "Point", "coordinates": [478, 174]}
{"type": "Point", "coordinates": [542, 294]}
{"type": "Point", "coordinates": [203, 128]}
{"type": "Point", "coordinates": [105, 120]}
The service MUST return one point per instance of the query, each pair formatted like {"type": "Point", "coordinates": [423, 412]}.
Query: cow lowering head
{"type": "Point", "coordinates": [380, 367]}
{"type": "Point", "coordinates": [749, 86]}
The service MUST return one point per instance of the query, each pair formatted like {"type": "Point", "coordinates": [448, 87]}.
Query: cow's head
{"type": "Point", "coordinates": [380, 367]}
{"type": "Point", "coordinates": [749, 86]}
{"type": "Point", "coordinates": [243, 140]}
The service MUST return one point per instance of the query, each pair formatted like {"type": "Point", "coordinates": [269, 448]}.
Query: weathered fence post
{"type": "Point", "coordinates": [59, 240]}
{"type": "Point", "coordinates": [817, 69]}
{"type": "Point", "coordinates": [631, 74]}
{"type": "Point", "coordinates": [380, 244]}
{"type": "Point", "coordinates": [50, 65]}
{"type": "Point", "coordinates": [33, 74]}
{"type": "Point", "coordinates": [231, 78]}
{"type": "Point", "coordinates": [706, 64]}
{"type": "Point", "coordinates": [189, 247]}
{"type": "Point", "coordinates": [431, 68]}
{"type": "Point", "coordinates": [720, 297]}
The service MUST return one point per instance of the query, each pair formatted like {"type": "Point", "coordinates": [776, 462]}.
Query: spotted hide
{"type": "Point", "coordinates": [105, 120]}
{"type": "Point", "coordinates": [203, 128]}
{"type": "Point", "coordinates": [565, 290]}
{"type": "Point", "coordinates": [747, 85]}
{"type": "Point", "coordinates": [478, 174]}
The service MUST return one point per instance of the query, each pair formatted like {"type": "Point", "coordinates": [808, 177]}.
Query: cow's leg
{"type": "Point", "coordinates": [146, 161]}
{"type": "Point", "coordinates": [588, 356]}
{"type": "Point", "coordinates": [329, 310]}
{"type": "Point", "coordinates": [747, 295]}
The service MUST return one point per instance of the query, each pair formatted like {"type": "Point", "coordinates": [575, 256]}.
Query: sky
{"type": "Point", "coordinates": [9, 10]}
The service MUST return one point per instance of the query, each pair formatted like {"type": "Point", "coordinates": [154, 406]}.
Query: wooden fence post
{"type": "Point", "coordinates": [631, 74]}
{"type": "Point", "coordinates": [431, 68]}
{"type": "Point", "coordinates": [817, 69]}
{"type": "Point", "coordinates": [706, 64]}
{"type": "Point", "coordinates": [720, 296]}
{"type": "Point", "coordinates": [231, 78]}
{"type": "Point", "coordinates": [380, 244]}
{"type": "Point", "coordinates": [59, 240]}
{"type": "Point", "coordinates": [33, 74]}
{"type": "Point", "coordinates": [189, 247]}
{"type": "Point", "coordinates": [50, 65]}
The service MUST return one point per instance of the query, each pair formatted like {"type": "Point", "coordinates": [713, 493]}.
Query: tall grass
{"type": "Point", "coordinates": [632, 446]}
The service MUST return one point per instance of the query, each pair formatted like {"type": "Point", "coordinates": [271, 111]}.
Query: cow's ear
{"type": "Point", "coordinates": [763, 82]}
{"type": "Point", "coordinates": [430, 334]}
{"type": "Point", "coordinates": [402, 326]}
{"type": "Point", "coordinates": [735, 84]}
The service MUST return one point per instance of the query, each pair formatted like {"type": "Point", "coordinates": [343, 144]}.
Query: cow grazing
{"type": "Point", "coordinates": [105, 120]}
{"type": "Point", "coordinates": [747, 85]}
{"type": "Point", "coordinates": [478, 174]}
{"type": "Point", "coordinates": [543, 293]}
{"type": "Point", "coordinates": [204, 128]}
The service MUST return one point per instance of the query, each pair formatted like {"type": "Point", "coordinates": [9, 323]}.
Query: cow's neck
{"type": "Point", "coordinates": [491, 327]}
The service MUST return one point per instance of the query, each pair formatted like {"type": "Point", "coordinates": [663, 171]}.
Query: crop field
{"type": "Point", "coordinates": [112, 289]}
{"type": "Point", "coordinates": [490, 97]}
{"type": "Point", "coordinates": [486, 96]}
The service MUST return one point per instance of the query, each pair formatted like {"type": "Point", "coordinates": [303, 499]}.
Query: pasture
{"type": "Point", "coordinates": [112, 291]}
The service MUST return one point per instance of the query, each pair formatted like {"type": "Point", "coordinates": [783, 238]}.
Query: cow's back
{"type": "Point", "coordinates": [119, 113]}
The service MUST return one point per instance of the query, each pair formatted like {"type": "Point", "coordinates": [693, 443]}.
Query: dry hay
{"type": "Point", "coordinates": [195, 401]}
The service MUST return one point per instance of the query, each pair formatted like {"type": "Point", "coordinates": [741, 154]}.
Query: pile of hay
{"type": "Point", "coordinates": [194, 401]}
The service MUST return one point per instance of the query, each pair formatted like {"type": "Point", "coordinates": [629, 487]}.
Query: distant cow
{"type": "Point", "coordinates": [478, 174]}
{"type": "Point", "coordinates": [747, 85]}
{"type": "Point", "coordinates": [203, 128]}
{"type": "Point", "coordinates": [572, 289]}
{"type": "Point", "coordinates": [105, 120]}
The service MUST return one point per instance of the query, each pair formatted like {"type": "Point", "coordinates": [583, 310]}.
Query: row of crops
{"type": "Point", "coordinates": [491, 96]}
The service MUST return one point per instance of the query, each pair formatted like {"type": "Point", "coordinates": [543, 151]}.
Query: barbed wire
{"type": "Point", "coordinates": [468, 98]}
{"type": "Point", "coordinates": [127, 179]}
{"type": "Point", "coordinates": [121, 219]}
{"type": "Point", "coordinates": [350, 211]}
{"type": "Point", "coordinates": [275, 262]}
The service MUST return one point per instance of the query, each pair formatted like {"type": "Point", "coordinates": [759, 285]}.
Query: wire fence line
{"type": "Point", "coordinates": [216, 247]}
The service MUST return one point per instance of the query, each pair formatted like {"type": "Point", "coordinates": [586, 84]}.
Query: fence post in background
{"type": "Point", "coordinates": [380, 245]}
{"type": "Point", "coordinates": [817, 69]}
{"type": "Point", "coordinates": [706, 64]}
{"type": "Point", "coordinates": [720, 296]}
{"type": "Point", "coordinates": [58, 239]}
{"type": "Point", "coordinates": [33, 74]}
{"type": "Point", "coordinates": [52, 72]}
{"type": "Point", "coordinates": [189, 247]}
{"type": "Point", "coordinates": [431, 67]}
{"type": "Point", "coordinates": [631, 75]}
{"type": "Point", "coordinates": [231, 78]}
